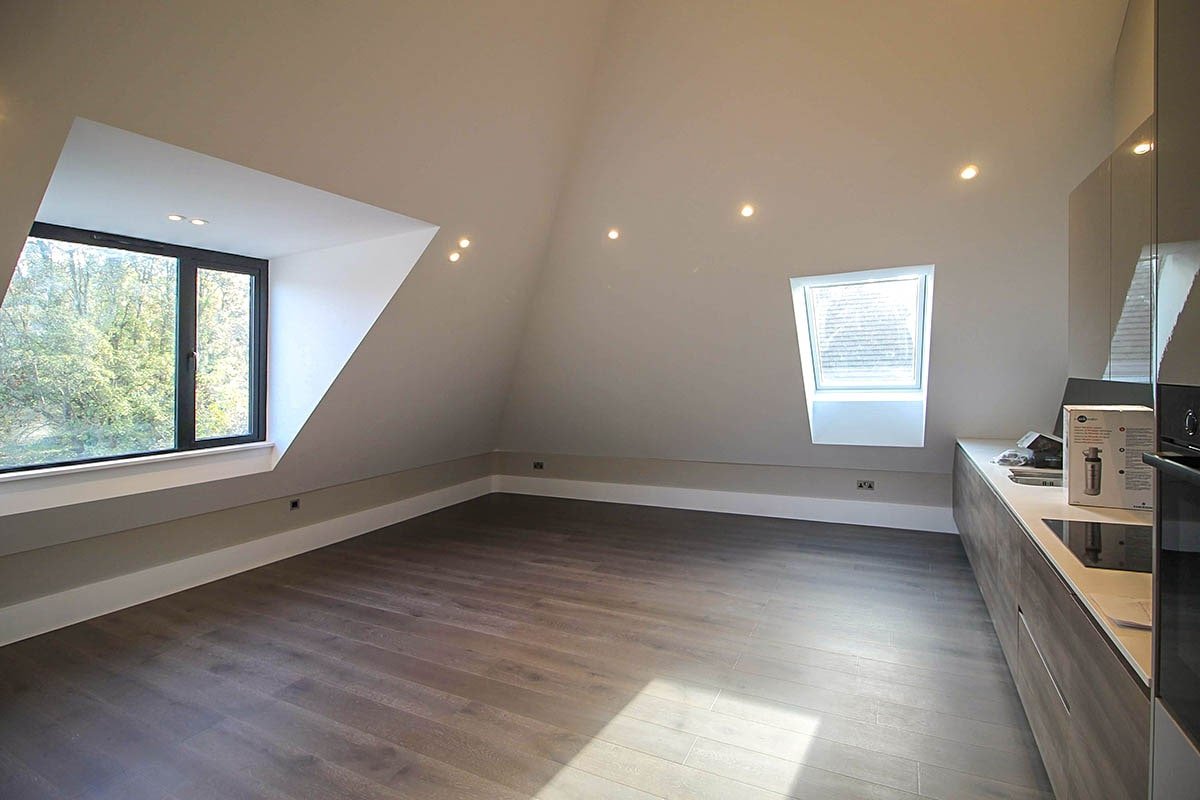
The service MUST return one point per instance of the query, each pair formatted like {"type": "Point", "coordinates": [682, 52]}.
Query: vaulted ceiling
{"type": "Point", "coordinates": [534, 125]}
{"type": "Point", "coordinates": [846, 123]}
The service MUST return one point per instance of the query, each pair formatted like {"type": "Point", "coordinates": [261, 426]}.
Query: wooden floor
{"type": "Point", "coordinates": [516, 647]}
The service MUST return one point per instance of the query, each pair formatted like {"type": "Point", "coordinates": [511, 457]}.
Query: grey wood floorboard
{"type": "Point", "coordinates": [521, 647]}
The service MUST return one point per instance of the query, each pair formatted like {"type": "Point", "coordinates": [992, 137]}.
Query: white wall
{"type": "Point", "coordinates": [457, 112]}
{"type": "Point", "coordinates": [846, 123]}
{"type": "Point", "coordinates": [323, 302]}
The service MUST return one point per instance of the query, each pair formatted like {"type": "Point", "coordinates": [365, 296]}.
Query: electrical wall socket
{"type": "Point", "coordinates": [867, 485]}
{"type": "Point", "coordinates": [295, 504]}
{"type": "Point", "coordinates": [539, 465]}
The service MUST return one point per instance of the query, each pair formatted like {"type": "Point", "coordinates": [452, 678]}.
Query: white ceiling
{"type": "Point", "coordinates": [119, 182]}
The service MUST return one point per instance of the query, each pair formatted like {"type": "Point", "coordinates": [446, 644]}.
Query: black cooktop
{"type": "Point", "coordinates": [1107, 545]}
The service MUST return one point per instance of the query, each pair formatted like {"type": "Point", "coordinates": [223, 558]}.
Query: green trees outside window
{"type": "Point", "coordinates": [94, 359]}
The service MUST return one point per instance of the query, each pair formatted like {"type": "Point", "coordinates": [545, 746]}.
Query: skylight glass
{"type": "Point", "coordinates": [866, 334]}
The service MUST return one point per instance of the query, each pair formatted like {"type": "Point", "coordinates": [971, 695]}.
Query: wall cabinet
{"type": "Point", "coordinates": [1109, 269]}
{"type": "Point", "coordinates": [1089, 713]}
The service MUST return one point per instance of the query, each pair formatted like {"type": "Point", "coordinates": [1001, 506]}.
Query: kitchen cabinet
{"type": "Point", "coordinates": [991, 537]}
{"type": "Point", "coordinates": [1109, 265]}
{"type": "Point", "coordinates": [1089, 711]}
{"type": "Point", "coordinates": [1045, 707]}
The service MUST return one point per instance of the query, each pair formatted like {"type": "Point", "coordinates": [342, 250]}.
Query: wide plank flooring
{"type": "Point", "coordinates": [519, 647]}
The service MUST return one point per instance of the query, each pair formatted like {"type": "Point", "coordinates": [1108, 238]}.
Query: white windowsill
{"type": "Point", "coordinates": [868, 419]}
{"type": "Point", "coordinates": [878, 396]}
{"type": "Point", "coordinates": [52, 487]}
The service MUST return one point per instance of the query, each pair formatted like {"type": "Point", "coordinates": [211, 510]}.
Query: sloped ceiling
{"type": "Point", "coordinates": [108, 179]}
{"type": "Point", "coordinates": [845, 122]}
{"type": "Point", "coordinates": [454, 111]}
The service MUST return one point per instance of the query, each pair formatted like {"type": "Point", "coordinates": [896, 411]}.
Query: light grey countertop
{"type": "Point", "coordinates": [1030, 504]}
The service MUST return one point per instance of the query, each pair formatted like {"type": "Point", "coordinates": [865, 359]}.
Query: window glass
{"type": "Point", "coordinates": [112, 346]}
{"type": "Point", "coordinates": [87, 354]}
{"type": "Point", "coordinates": [867, 334]}
{"type": "Point", "coordinates": [224, 357]}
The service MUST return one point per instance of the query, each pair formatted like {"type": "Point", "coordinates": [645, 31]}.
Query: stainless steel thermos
{"type": "Point", "coordinates": [1091, 471]}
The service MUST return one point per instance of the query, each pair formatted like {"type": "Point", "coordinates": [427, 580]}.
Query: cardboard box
{"type": "Point", "coordinates": [1103, 448]}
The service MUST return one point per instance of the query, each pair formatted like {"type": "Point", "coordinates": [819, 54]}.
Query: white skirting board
{"type": "Point", "coordinates": [53, 611]}
{"type": "Point", "coordinates": [42, 614]}
{"type": "Point", "coordinates": [938, 519]}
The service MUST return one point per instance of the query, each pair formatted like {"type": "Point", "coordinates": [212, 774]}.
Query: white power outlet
{"type": "Point", "coordinates": [867, 485]}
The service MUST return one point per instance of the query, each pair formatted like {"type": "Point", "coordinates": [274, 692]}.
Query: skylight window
{"type": "Point", "coordinates": [864, 338]}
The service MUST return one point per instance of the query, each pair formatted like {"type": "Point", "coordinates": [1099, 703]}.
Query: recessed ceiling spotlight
{"type": "Point", "coordinates": [455, 256]}
{"type": "Point", "coordinates": [613, 233]}
{"type": "Point", "coordinates": [464, 243]}
{"type": "Point", "coordinates": [747, 210]}
{"type": "Point", "coordinates": [969, 172]}
{"type": "Point", "coordinates": [198, 221]}
{"type": "Point", "coordinates": [1141, 148]}
{"type": "Point", "coordinates": [176, 217]}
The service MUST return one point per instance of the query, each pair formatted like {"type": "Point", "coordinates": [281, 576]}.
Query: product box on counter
{"type": "Point", "coordinates": [1103, 448]}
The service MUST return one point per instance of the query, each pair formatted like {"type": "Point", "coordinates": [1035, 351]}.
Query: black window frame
{"type": "Point", "coordinates": [189, 260]}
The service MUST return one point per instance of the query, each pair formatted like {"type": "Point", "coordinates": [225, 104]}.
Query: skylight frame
{"type": "Point", "coordinates": [809, 356]}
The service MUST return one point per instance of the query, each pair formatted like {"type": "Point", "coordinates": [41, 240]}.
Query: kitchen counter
{"type": "Point", "coordinates": [1029, 505]}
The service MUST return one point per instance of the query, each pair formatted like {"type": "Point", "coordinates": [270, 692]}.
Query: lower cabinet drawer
{"type": "Point", "coordinates": [1094, 739]}
{"type": "Point", "coordinates": [1046, 708]}
{"type": "Point", "coordinates": [1051, 616]}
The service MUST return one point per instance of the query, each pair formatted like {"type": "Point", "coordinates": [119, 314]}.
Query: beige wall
{"type": "Point", "coordinates": [1133, 71]}
{"type": "Point", "coordinates": [458, 112]}
{"type": "Point", "coordinates": [34, 573]}
{"type": "Point", "coordinates": [45, 570]}
{"type": "Point", "coordinates": [925, 489]}
{"type": "Point", "coordinates": [678, 341]}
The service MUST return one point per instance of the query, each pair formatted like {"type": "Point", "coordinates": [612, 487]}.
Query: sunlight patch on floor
{"type": "Point", "coordinates": [723, 749]}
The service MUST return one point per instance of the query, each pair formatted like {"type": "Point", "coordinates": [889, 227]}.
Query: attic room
{"type": "Point", "coordinates": [580, 399]}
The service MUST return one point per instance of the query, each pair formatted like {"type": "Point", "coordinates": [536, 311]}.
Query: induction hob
{"type": "Point", "coordinates": [1107, 545]}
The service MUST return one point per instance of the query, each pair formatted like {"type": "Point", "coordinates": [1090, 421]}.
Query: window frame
{"type": "Point", "coordinates": [808, 336]}
{"type": "Point", "coordinates": [189, 261]}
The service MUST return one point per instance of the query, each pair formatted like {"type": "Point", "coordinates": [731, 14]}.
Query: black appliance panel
{"type": "Point", "coordinates": [1177, 615]}
{"type": "Point", "coordinates": [1107, 545]}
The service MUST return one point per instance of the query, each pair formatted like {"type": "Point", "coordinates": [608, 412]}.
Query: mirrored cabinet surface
{"type": "Point", "coordinates": [1131, 266]}
{"type": "Point", "coordinates": [1111, 266]}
